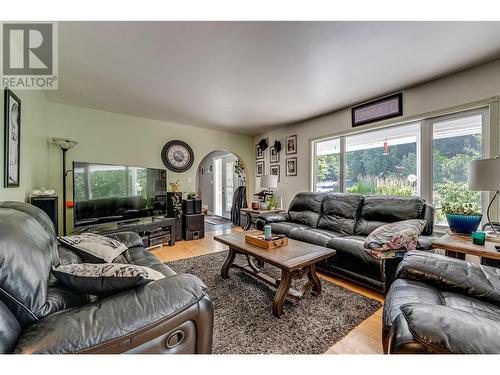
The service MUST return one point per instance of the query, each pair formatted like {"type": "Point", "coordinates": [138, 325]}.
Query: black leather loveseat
{"type": "Point", "coordinates": [39, 315]}
{"type": "Point", "coordinates": [442, 305]}
{"type": "Point", "coordinates": [342, 222]}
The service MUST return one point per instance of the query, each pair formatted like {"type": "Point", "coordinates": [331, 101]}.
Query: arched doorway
{"type": "Point", "coordinates": [219, 175]}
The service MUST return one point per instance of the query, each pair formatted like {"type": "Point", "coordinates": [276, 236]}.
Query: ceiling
{"type": "Point", "coordinates": [250, 77]}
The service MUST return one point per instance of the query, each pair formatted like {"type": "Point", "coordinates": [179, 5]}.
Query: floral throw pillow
{"type": "Point", "coordinates": [395, 239]}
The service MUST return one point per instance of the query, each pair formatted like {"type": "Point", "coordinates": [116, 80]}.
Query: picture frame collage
{"type": "Point", "coordinates": [274, 158]}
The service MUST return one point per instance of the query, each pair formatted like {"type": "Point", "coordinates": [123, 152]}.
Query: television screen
{"type": "Point", "coordinates": [104, 193]}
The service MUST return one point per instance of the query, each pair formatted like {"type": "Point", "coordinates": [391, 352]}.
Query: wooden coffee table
{"type": "Point", "coordinates": [295, 261]}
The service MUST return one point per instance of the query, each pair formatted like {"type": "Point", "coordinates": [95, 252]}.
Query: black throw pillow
{"type": "Point", "coordinates": [104, 278]}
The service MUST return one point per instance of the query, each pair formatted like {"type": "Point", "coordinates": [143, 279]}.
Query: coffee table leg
{"type": "Point", "coordinates": [313, 276]}
{"type": "Point", "coordinates": [281, 293]}
{"type": "Point", "coordinates": [227, 264]}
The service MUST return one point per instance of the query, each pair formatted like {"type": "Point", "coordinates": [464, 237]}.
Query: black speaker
{"type": "Point", "coordinates": [188, 207]}
{"type": "Point", "coordinates": [47, 205]}
{"type": "Point", "coordinates": [193, 227]}
{"type": "Point", "coordinates": [197, 206]}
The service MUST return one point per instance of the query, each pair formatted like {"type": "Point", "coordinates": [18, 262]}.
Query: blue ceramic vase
{"type": "Point", "coordinates": [463, 224]}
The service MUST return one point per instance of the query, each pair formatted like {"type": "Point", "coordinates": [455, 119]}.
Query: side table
{"type": "Point", "coordinates": [457, 246]}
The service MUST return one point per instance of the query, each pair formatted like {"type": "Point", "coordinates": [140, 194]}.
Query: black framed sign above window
{"type": "Point", "coordinates": [12, 139]}
{"type": "Point", "coordinates": [377, 110]}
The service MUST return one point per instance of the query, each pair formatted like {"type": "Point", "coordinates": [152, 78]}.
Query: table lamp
{"type": "Point", "coordinates": [484, 175]}
{"type": "Point", "coordinates": [269, 181]}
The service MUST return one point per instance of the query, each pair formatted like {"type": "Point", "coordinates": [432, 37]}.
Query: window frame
{"type": "Point", "coordinates": [424, 149]}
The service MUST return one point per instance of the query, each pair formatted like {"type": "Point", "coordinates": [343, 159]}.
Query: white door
{"type": "Point", "coordinates": [224, 184]}
{"type": "Point", "coordinates": [228, 185]}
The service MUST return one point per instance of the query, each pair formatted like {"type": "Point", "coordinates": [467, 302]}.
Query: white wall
{"type": "Point", "coordinates": [114, 138]}
{"type": "Point", "coordinates": [472, 85]}
{"type": "Point", "coordinates": [34, 144]}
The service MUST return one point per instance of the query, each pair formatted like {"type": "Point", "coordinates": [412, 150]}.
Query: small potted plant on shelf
{"type": "Point", "coordinates": [461, 207]}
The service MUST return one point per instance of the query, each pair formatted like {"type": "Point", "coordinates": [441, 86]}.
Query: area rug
{"type": "Point", "coordinates": [216, 220]}
{"type": "Point", "coordinates": [244, 323]}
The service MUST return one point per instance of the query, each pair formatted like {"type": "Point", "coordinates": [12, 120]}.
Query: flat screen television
{"type": "Point", "coordinates": [105, 193]}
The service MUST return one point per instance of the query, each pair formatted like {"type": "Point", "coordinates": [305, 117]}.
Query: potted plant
{"type": "Point", "coordinates": [461, 207]}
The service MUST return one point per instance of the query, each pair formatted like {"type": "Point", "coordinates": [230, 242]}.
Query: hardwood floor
{"type": "Point", "coordinates": [366, 338]}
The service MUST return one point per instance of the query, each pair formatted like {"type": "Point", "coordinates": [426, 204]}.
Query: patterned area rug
{"type": "Point", "coordinates": [216, 220]}
{"type": "Point", "coordinates": [244, 323]}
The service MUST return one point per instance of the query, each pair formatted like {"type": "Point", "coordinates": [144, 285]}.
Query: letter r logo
{"type": "Point", "coordinates": [27, 49]}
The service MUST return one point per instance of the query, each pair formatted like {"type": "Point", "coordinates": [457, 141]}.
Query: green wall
{"type": "Point", "coordinates": [114, 138]}
{"type": "Point", "coordinates": [34, 144]}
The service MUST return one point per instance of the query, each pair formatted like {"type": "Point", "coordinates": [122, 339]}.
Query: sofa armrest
{"type": "Point", "coordinates": [425, 242]}
{"type": "Point", "coordinates": [129, 239]}
{"type": "Point", "coordinates": [139, 320]}
{"type": "Point", "coordinates": [450, 274]}
{"type": "Point", "coordinates": [274, 217]}
{"type": "Point", "coordinates": [446, 330]}
{"type": "Point", "coordinates": [270, 217]}
{"type": "Point", "coordinates": [429, 212]}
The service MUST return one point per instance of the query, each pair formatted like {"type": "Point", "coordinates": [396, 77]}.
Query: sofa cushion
{"type": "Point", "coordinates": [447, 330]}
{"type": "Point", "coordinates": [142, 257]}
{"type": "Point", "coordinates": [339, 212]}
{"type": "Point", "coordinates": [94, 247]}
{"type": "Point", "coordinates": [395, 239]}
{"type": "Point", "coordinates": [104, 278]}
{"type": "Point", "coordinates": [286, 228]}
{"type": "Point", "coordinates": [315, 236]}
{"type": "Point", "coordinates": [27, 251]}
{"type": "Point", "coordinates": [379, 210]}
{"type": "Point", "coordinates": [351, 256]}
{"type": "Point", "coordinates": [305, 208]}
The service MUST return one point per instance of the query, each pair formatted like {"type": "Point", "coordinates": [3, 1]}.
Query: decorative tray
{"type": "Point", "coordinates": [273, 243]}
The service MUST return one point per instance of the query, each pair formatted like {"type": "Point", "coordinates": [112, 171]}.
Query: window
{"type": "Point", "coordinates": [382, 162]}
{"type": "Point", "coordinates": [327, 165]}
{"type": "Point", "coordinates": [428, 158]}
{"type": "Point", "coordinates": [455, 142]}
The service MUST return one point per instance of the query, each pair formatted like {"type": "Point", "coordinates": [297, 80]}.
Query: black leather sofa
{"type": "Point", "coordinates": [442, 305]}
{"type": "Point", "coordinates": [39, 315]}
{"type": "Point", "coordinates": [342, 222]}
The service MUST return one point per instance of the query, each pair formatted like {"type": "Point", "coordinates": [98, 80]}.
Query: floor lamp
{"type": "Point", "coordinates": [65, 145]}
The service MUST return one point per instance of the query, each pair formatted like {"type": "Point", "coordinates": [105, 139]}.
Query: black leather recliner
{"type": "Point", "coordinates": [39, 315]}
{"type": "Point", "coordinates": [342, 221]}
{"type": "Point", "coordinates": [442, 305]}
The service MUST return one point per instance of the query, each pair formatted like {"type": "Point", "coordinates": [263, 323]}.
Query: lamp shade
{"type": "Point", "coordinates": [269, 181]}
{"type": "Point", "coordinates": [484, 175]}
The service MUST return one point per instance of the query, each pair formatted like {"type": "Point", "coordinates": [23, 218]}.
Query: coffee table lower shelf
{"type": "Point", "coordinates": [283, 285]}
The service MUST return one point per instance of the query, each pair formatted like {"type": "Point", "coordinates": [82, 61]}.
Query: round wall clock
{"type": "Point", "coordinates": [177, 156]}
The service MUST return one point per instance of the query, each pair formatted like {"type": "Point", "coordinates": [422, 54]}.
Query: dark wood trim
{"type": "Point", "coordinates": [399, 96]}
{"type": "Point", "coordinates": [7, 94]}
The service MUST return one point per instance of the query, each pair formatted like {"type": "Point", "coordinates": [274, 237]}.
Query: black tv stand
{"type": "Point", "coordinates": [154, 231]}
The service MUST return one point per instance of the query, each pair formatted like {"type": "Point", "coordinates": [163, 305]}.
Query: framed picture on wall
{"type": "Point", "coordinates": [275, 171]}
{"type": "Point", "coordinates": [274, 155]}
{"type": "Point", "coordinates": [259, 153]}
{"type": "Point", "coordinates": [12, 139]}
{"type": "Point", "coordinates": [291, 144]}
{"type": "Point", "coordinates": [260, 168]}
{"type": "Point", "coordinates": [291, 167]}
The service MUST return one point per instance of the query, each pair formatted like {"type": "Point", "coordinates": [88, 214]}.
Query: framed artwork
{"type": "Point", "coordinates": [275, 171]}
{"type": "Point", "coordinates": [291, 144]}
{"type": "Point", "coordinates": [377, 110]}
{"type": "Point", "coordinates": [291, 167]}
{"type": "Point", "coordinates": [259, 154]}
{"type": "Point", "coordinates": [12, 139]}
{"type": "Point", "coordinates": [260, 168]}
{"type": "Point", "coordinates": [274, 155]}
